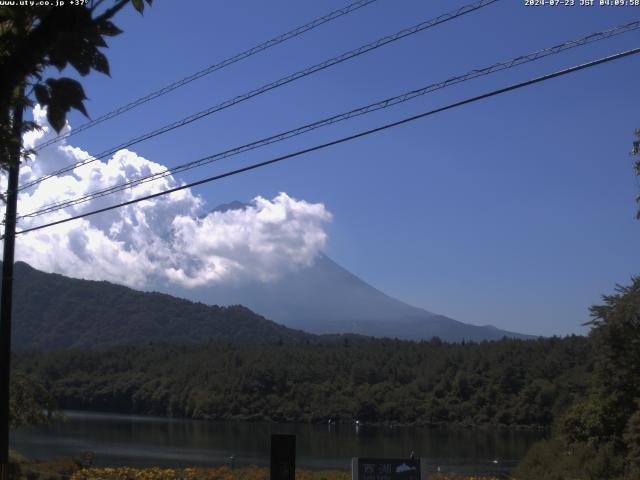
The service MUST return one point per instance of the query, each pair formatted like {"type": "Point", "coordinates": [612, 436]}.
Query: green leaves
{"type": "Point", "coordinates": [100, 63]}
{"type": "Point", "coordinates": [105, 27]}
{"type": "Point", "coordinates": [42, 94]}
{"type": "Point", "coordinates": [606, 424]}
{"type": "Point", "coordinates": [30, 402]}
{"type": "Point", "coordinates": [635, 150]}
{"type": "Point", "coordinates": [78, 39]}
{"type": "Point", "coordinates": [67, 92]}
{"type": "Point", "coordinates": [139, 5]}
{"type": "Point", "coordinates": [60, 95]}
{"type": "Point", "coordinates": [33, 39]}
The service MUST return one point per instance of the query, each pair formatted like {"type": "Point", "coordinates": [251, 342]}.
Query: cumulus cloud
{"type": "Point", "coordinates": [172, 239]}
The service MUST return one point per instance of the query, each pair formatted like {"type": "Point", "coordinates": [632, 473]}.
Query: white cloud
{"type": "Point", "coordinates": [169, 239]}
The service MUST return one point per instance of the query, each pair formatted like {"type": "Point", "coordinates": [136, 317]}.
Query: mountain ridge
{"type": "Point", "coordinates": [326, 298]}
{"type": "Point", "coordinates": [52, 312]}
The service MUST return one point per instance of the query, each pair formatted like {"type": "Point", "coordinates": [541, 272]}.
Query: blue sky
{"type": "Point", "coordinates": [517, 211]}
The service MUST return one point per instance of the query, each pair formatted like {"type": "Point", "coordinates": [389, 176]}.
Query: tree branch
{"type": "Point", "coordinates": [110, 12]}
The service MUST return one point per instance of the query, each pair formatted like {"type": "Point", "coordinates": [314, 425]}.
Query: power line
{"type": "Point", "coordinates": [386, 103]}
{"type": "Point", "coordinates": [278, 83]}
{"type": "Point", "coordinates": [212, 68]}
{"type": "Point", "coordinates": [282, 81]}
{"type": "Point", "coordinates": [345, 139]}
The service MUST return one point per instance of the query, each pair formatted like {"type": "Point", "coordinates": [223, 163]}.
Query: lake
{"type": "Point", "coordinates": [146, 441]}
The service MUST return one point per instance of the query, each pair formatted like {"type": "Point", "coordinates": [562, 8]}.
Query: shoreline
{"type": "Point", "coordinates": [254, 419]}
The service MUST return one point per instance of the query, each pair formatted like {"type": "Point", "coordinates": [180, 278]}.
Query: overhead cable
{"type": "Point", "coordinates": [406, 120]}
{"type": "Point", "coordinates": [212, 68]}
{"type": "Point", "coordinates": [382, 104]}
{"type": "Point", "coordinates": [270, 86]}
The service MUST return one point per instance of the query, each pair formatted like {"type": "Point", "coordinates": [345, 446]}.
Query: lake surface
{"type": "Point", "coordinates": [147, 441]}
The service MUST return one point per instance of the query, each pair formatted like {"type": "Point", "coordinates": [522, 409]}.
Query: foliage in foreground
{"type": "Point", "coordinates": [65, 470]}
{"type": "Point", "coordinates": [509, 382]}
{"type": "Point", "coordinates": [30, 402]}
{"type": "Point", "coordinates": [599, 437]}
{"type": "Point", "coordinates": [556, 460]}
{"type": "Point", "coordinates": [226, 473]}
{"type": "Point", "coordinates": [37, 37]}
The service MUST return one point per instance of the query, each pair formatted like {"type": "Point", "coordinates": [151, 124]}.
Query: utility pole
{"type": "Point", "coordinates": [13, 164]}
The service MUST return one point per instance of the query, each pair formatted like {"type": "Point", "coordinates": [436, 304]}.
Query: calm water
{"type": "Point", "coordinates": [147, 441]}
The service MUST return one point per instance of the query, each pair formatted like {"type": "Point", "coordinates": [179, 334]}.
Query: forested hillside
{"type": "Point", "coordinates": [509, 382]}
{"type": "Point", "coordinates": [55, 312]}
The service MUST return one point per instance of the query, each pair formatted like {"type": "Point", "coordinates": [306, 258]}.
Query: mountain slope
{"type": "Point", "coordinates": [51, 311]}
{"type": "Point", "coordinates": [326, 298]}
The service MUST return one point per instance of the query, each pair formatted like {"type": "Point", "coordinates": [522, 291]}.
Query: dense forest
{"type": "Point", "coordinates": [508, 382]}
{"type": "Point", "coordinates": [46, 320]}
{"type": "Point", "coordinates": [586, 389]}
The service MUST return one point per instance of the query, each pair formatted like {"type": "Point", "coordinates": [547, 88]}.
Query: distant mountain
{"type": "Point", "coordinates": [235, 205]}
{"type": "Point", "coordinates": [51, 312]}
{"type": "Point", "coordinates": [326, 298]}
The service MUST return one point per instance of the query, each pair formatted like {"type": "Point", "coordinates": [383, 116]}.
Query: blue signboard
{"type": "Point", "coordinates": [386, 469]}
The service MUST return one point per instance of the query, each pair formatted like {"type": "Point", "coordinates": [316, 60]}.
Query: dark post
{"type": "Point", "coordinates": [7, 285]}
{"type": "Point", "coordinates": [283, 457]}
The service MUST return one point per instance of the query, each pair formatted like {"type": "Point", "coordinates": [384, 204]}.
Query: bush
{"type": "Point", "coordinates": [555, 460]}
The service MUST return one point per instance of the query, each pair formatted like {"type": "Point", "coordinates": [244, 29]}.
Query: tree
{"type": "Point", "coordinates": [632, 442]}
{"type": "Point", "coordinates": [35, 38]}
{"type": "Point", "coordinates": [600, 436]}
{"type": "Point", "coordinates": [32, 39]}
{"type": "Point", "coordinates": [31, 403]}
{"type": "Point", "coordinates": [635, 151]}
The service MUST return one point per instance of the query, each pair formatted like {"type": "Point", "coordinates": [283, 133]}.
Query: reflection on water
{"type": "Point", "coordinates": [145, 441]}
